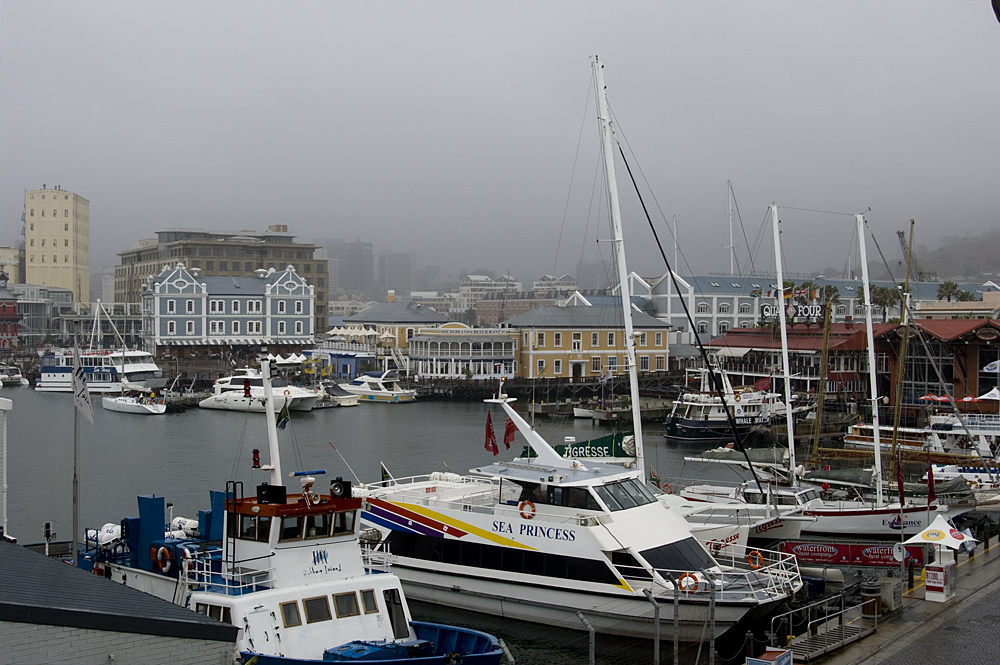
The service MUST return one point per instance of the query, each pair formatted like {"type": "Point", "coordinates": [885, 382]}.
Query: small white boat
{"type": "Point", "coordinates": [10, 375]}
{"type": "Point", "coordinates": [337, 396]}
{"type": "Point", "coordinates": [134, 404]}
{"type": "Point", "coordinates": [244, 391]}
{"type": "Point", "coordinates": [380, 387]}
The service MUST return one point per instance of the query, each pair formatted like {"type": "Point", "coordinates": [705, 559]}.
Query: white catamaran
{"type": "Point", "coordinates": [549, 538]}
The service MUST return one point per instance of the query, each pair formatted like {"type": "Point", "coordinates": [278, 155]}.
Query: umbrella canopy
{"type": "Point", "coordinates": [934, 398]}
{"type": "Point", "coordinates": [993, 367]}
{"type": "Point", "coordinates": [993, 394]}
{"type": "Point", "coordinates": [940, 533]}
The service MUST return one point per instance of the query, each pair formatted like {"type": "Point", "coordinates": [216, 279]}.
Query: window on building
{"type": "Point", "coordinates": [724, 308]}
{"type": "Point", "coordinates": [703, 308]}
{"type": "Point", "coordinates": [281, 307]}
{"type": "Point", "coordinates": [236, 307]}
{"type": "Point", "coordinates": [612, 363]}
{"type": "Point", "coordinates": [643, 363]}
{"type": "Point", "coordinates": [744, 308]}
{"type": "Point", "coordinates": [642, 339]}
{"type": "Point", "coordinates": [209, 265]}
{"type": "Point", "coordinates": [611, 340]}
{"type": "Point", "coordinates": [595, 363]}
{"type": "Point", "coordinates": [595, 339]}
{"type": "Point", "coordinates": [841, 310]}
{"type": "Point", "coordinates": [171, 306]}
{"type": "Point", "coordinates": [540, 340]}
{"type": "Point", "coordinates": [189, 307]}
{"type": "Point", "coordinates": [281, 327]}
{"type": "Point", "coordinates": [557, 339]}
{"type": "Point", "coordinates": [660, 366]}
{"type": "Point", "coordinates": [66, 242]}
{"type": "Point", "coordinates": [723, 326]}
{"type": "Point", "coordinates": [66, 226]}
{"type": "Point", "coordinates": [577, 341]}
{"type": "Point", "coordinates": [298, 327]}
{"type": "Point", "coordinates": [247, 266]}
{"type": "Point", "coordinates": [189, 328]}
{"type": "Point", "coordinates": [298, 306]}
{"type": "Point", "coordinates": [659, 339]}
{"type": "Point", "coordinates": [702, 327]}
{"type": "Point", "coordinates": [541, 367]}
{"type": "Point", "coordinates": [171, 327]}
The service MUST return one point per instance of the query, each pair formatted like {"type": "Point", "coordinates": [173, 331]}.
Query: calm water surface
{"type": "Point", "coordinates": [184, 455]}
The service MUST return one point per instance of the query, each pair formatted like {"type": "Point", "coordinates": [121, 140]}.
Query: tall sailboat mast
{"type": "Point", "coordinates": [863, 256]}
{"type": "Point", "coordinates": [789, 418]}
{"type": "Point", "coordinates": [607, 145]}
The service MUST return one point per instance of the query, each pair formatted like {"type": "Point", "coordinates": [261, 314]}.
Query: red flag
{"type": "Point", "coordinates": [762, 384]}
{"type": "Point", "coordinates": [491, 437]}
{"type": "Point", "coordinates": [930, 479]}
{"type": "Point", "coordinates": [509, 430]}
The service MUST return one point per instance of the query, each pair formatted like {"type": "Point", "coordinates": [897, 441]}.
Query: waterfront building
{"type": "Point", "coordinates": [496, 307]}
{"type": "Point", "coordinates": [41, 309]}
{"type": "Point", "coordinates": [458, 351]}
{"type": "Point", "coordinates": [12, 263]}
{"type": "Point", "coordinates": [57, 240]}
{"type": "Point", "coordinates": [585, 342]}
{"type": "Point", "coordinates": [553, 287]}
{"type": "Point", "coordinates": [345, 306]}
{"type": "Point", "coordinates": [223, 254]}
{"type": "Point", "coordinates": [9, 316]}
{"type": "Point", "coordinates": [444, 303]}
{"type": "Point", "coordinates": [718, 303]}
{"type": "Point", "coordinates": [396, 322]}
{"type": "Point", "coordinates": [475, 287]}
{"type": "Point", "coordinates": [183, 308]}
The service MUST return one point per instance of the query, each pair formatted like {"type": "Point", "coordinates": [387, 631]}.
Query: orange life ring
{"type": "Point", "coordinates": [527, 509]}
{"type": "Point", "coordinates": [667, 489]}
{"type": "Point", "coordinates": [163, 560]}
{"type": "Point", "coordinates": [755, 559]}
{"type": "Point", "coordinates": [688, 588]}
{"type": "Point", "coordinates": [287, 392]}
{"type": "Point", "coordinates": [737, 397]}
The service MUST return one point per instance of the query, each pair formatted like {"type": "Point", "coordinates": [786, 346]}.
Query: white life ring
{"type": "Point", "coordinates": [163, 560]}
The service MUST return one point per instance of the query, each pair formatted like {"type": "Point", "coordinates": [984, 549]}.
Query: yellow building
{"type": "Point", "coordinates": [57, 240]}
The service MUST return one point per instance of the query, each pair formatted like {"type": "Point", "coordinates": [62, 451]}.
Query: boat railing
{"type": "Point", "coordinates": [376, 560]}
{"type": "Point", "coordinates": [202, 571]}
{"type": "Point", "coordinates": [743, 573]}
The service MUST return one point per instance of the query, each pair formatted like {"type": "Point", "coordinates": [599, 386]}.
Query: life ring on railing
{"type": "Point", "coordinates": [163, 560]}
{"type": "Point", "coordinates": [98, 568]}
{"type": "Point", "coordinates": [737, 397]}
{"type": "Point", "coordinates": [667, 489]}
{"type": "Point", "coordinates": [287, 392]}
{"type": "Point", "coordinates": [755, 559]}
{"type": "Point", "coordinates": [694, 584]}
{"type": "Point", "coordinates": [527, 509]}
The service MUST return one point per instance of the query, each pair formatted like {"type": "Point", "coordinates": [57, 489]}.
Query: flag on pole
{"type": "Point", "coordinates": [653, 478]}
{"type": "Point", "coordinates": [993, 367]}
{"type": "Point", "coordinates": [756, 293]}
{"type": "Point", "coordinates": [509, 430]}
{"type": "Point", "coordinates": [81, 397]}
{"type": "Point", "coordinates": [282, 419]}
{"type": "Point", "coordinates": [930, 479]}
{"type": "Point", "coordinates": [491, 437]}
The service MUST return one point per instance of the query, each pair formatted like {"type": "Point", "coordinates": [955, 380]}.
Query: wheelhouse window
{"type": "Point", "coordinates": [369, 601]}
{"type": "Point", "coordinates": [346, 605]}
{"type": "Point", "coordinates": [683, 556]}
{"type": "Point", "coordinates": [290, 614]}
{"type": "Point", "coordinates": [343, 522]}
{"type": "Point", "coordinates": [317, 526]}
{"type": "Point", "coordinates": [624, 494]}
{"type": "Point", "coordinates": [317, 609]}
{"type": "Point", "coordinates": [291, 528]}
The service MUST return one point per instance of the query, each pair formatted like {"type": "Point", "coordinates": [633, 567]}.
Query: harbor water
{"type": "Point", "coordinates": [182, 456]}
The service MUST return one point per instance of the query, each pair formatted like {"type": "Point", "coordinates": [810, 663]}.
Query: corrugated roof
{"type": "Point", "coordinates": [399, 311]}
{"type": "Point", "coordinates": [39, 590]}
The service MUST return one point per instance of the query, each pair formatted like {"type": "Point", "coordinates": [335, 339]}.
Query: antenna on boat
{"type": "Point", "coordinates": [360, 484]}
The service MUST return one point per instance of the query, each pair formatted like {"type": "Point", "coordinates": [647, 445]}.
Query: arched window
{"type": "Point", "coordinates": [703, 327]}
{"type": "Point", "coordinates": [703, 308]}
{"type": "Point", "coordinates": [723, 326]}
{"type": "Point", "coordinates": [744, 308]}
{"type": "Point", "coordinates": [724, 308]}
{"type": "Point", "coordinates": [841, 309]}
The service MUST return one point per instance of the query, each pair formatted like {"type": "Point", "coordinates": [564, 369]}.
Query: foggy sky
{"type": "Point", "coordinates": [451, 128]}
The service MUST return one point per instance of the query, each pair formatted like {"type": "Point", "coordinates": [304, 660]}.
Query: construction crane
{"type": "Point", "coordinates": [915, 272]}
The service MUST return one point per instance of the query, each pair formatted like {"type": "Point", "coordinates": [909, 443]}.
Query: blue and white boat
{"type": "Point", "coordinates": [286, 568]}
{"type": "Point", "coordinates": [106, 371]}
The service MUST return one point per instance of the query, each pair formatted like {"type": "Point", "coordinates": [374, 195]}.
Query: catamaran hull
{"type": "Point", "coordinates": [627, 616]}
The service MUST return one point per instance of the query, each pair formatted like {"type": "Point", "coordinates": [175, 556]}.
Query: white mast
{"type": "Point", "coordinates": [789, 420]}
{"type": "Point", "coordinates": [272, 429]}
{"type": "Point", "coordinates": [616, 228]}
{"type": "Point", "coordinates": [863, 256]}
{"type": "Point", "coordinates": [732, 246]}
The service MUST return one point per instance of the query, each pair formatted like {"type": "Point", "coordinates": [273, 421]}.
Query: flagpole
{"type": "Point", "coordinates": [76, 487]}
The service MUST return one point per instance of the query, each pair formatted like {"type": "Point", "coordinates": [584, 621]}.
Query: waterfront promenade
{"type": "Point", "coordinates": [965, 629]}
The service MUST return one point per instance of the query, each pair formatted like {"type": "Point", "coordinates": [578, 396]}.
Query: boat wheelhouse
{"type": "Point", "coordinates": [380, 387]}
{"type": "Point", "coordinates": [700, 415]}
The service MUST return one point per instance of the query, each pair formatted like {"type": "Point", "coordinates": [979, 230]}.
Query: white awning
{"type": "Point", "coordinates": [731, 351]}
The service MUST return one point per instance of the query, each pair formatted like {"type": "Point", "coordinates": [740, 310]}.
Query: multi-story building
{"type": "Point", "coordinates": [552, 286]}
{"type": "Point", "coordinates": [581, 342]}
{"type": "Point", "coordinates": [476, 287]}
{"type": "Point", "coordinates": [496, 307]}
{"type": "Point", "coordinates": [57, 240]}
{"type": "Point", "coordinates": [396, 322]}
{"type": "Point", "coordinates": [41, 309]}
{"type": "Point", "coordinates": [395, 271]}
{"type": "Point", "coordinates": [12, 262]}
{"type": "Point", "coordinates": [224, 254]}
{"type": "Point", "coordinates": [9, 316]}
{"type": "Point", "coordinates": [455, 351]}
{"type": "Point", "coordinates": [183, 308]}
{"type": "Point", "coordinates": [356, 268]}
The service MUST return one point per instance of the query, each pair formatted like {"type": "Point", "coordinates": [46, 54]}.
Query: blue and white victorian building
{"type": "Point", "coordinates": [181, 308]}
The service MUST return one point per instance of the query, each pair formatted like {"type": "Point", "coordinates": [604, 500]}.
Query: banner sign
{"type": "Point", "coordinates": [843, 554]}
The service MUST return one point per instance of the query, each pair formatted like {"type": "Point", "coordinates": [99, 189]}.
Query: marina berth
{"type": "Point", "coordinates": [285, 567]}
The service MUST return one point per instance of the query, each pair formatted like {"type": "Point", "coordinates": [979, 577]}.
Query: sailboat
{"type": "Point", "coordinates": [286, 568]}
{"type": "Point", "coordinates": [552, 538]}
{"type": "Point", "coordinates": [861, 517]}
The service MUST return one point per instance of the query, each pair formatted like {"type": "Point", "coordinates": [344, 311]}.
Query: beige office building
{"type": "Point", "coordinates": [57, 240]}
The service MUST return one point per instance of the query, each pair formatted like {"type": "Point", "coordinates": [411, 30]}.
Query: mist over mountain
{"type": "Point", "coordinates": [969, 258]}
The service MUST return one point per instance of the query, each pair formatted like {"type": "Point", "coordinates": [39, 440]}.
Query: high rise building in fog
{"type": "Point", "coordinates": [357, 268]}
{"type": "Point", "coordinates": [57, 240]}
{"type": "Point", "coordinates": [395, 271]}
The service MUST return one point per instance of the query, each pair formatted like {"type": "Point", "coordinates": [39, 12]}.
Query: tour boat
{"type": "Point", "coordinates": [10, 375]}
{"type": "Point", "coordinates": [244, 391]}
{"type": "Point", "coordinates": [106, 371]}
{"type": "Point", "coordinates": [380, 387]}
{"type": "Point", "coordinates": [567, 542]}
{"type": "Point", "coordinates": [286, 568]}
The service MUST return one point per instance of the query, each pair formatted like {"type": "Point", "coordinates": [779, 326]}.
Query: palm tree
{"type": "Point", "coordinates": [947, 290]}
{"type": "Point", "coordinates": [884, 297]}
{"type": "Point", "coordinates": [830, 294]}
{"type": "Point", "coordinates": [808, 286]}
{"type": "Point", "coordinates": [966, 296]}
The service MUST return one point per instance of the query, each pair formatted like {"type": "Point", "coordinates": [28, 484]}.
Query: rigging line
{"type": "Point", "coordinates": [572, 177]}
{"type": "Point", "coordinates": [701, 348]}
{"type": "Point", "coordinates": [590, 214]}
{"type": "Point", "coordinates": [743, 230]}
{"type": "Point", "coordinates": [822, 212]}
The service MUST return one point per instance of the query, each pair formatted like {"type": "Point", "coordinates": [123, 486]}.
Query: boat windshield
{"type": "Point", "coordinates": [684, 555]}
{"type": "Point", "coordinates": [624, 494]}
